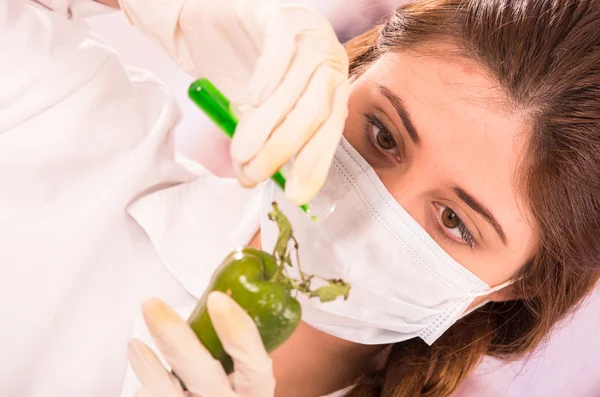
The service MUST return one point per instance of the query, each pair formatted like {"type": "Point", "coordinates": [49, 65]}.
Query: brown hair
{"type": "Point", "coordinates": [545, 54]}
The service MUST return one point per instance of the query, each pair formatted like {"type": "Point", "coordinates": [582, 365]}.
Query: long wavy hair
{"type": "Point", "coordinates": [545, 54]}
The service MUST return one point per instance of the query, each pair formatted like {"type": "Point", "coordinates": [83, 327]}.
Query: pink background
{"type": "Point", "coordinates": [570, 363]}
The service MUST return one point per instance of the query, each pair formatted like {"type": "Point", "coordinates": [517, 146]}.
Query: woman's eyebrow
{"type": "Point", "coordinates": [398, 104]}
{"type": "Point", "coordinates": [482, 210]}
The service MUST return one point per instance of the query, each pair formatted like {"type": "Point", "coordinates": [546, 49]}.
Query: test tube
{"type": "Point", "coordinates": [217, 107]}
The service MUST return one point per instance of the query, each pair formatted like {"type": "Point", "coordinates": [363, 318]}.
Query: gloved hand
{"type": "Point", "coordinates": [202, 375]}
{"type": "Point", "coordinates": [282, 67]}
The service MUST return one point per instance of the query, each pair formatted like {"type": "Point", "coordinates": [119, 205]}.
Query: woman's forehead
{"type": "Point", "coordinates": [453, 78]}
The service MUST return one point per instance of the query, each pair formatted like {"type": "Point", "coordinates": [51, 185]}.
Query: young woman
{"type": "Point", "coordinates": [482, 121]}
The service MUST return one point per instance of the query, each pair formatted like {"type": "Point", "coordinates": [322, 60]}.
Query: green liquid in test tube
{"type": "Point", "coordinates": [217, 108]}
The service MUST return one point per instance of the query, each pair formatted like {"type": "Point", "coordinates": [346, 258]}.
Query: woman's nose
{"type": "Point", "coordinates": [409, 187]}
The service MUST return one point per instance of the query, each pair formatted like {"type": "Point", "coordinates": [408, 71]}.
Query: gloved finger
{"type": "Point", "coordinates": [269, 70]}
{"type": "Point", "coordinates": [179, 346]}
{"type": "Point", "coordinates": [281, 32]}
{"type": "Point", "coordinates": [312, 49]}
{"type": "Point", "coordinates": [238, 170]}
{"type": "Point", "coordinates": [311, 166]}
{"type": "Point", "coordinates": [240, 338]}
{"type": "Point", "coordinates": [299, 126]}
{"type": "Point", "coordinates": [156, 380]}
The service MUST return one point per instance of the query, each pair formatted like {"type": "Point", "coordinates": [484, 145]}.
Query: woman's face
{"type": "Point", "coordinates": [441, 138]}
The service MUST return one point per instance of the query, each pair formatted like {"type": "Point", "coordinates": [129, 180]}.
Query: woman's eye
{"type": "Point", "coordinates": [382, 138]}
{"type": "Point", "coordinates": [452, 223]}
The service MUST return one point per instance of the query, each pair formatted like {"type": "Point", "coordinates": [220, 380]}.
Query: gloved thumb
{"type": "Point", "coordinates": [253, 376]}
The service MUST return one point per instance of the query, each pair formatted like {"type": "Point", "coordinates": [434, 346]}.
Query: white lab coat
{"type": "Point", "coordinates": [95, 212]}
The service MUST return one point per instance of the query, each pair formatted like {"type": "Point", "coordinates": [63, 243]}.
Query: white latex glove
{"type": "Point", "coordinates": [198, 370]}
{"type": "Point", "coordinates": [279, 63]}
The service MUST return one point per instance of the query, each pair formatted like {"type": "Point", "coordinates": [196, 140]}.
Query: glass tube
{"type": "Point", "coordinates": [217, 107]}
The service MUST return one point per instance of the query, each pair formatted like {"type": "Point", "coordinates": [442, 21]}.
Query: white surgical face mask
{"type": "Point", "coordinates": [403, 284]}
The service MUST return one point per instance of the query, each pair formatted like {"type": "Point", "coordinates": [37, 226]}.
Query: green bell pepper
{"type": "Point", "coordinates": [259, 283]}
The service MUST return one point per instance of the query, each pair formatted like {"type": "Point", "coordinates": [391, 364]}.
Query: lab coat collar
{"type": "Point", "coordinates": [194, 225]}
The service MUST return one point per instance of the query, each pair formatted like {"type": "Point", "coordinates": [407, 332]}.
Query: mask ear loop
{"type": "Point", "coordinates": [486, 292]}
{"type": "Point", "coordinates": [479, 306]}
{"type": "Point", "coordinates": [490, 290]}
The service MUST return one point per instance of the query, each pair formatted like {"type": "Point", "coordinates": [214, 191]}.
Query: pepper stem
{"type": "Point", "coordinates": [333, 288]}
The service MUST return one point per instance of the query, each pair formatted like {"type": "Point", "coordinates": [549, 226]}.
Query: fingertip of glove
{"type": "Point", "coordinates": [238, 151]}
{"type": "Point", "coordinates": [299, 193]}
{"type": "Point", "coordinates": [219, 301]}
{"type": "Point", "coordinates": [151, 304]}
{"type": "Point", "coordinates": [157, 313]}
{"type": "Point", "coordinates": [226, 315]}
{"type": "Point", "coordinates": [244, 180]}
{"type": "Point", "coordinates": [133, 348]}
